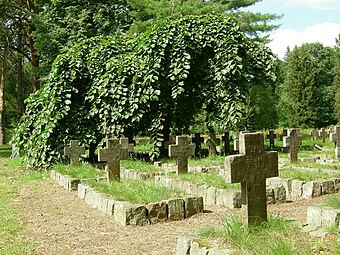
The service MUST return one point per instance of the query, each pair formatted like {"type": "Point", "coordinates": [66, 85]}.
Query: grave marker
{"type": "Point", "coordinates": [197, 140]}
{"type": "Point", "coordinates": [284, 133]}
{"type": "Point", "coordinates": [125, 143]}
{"type": "Point", "coordinates": [271, 136]}
{"type": "Point", "coordinates": [114, 152]}
{"type": "Point", "coordinates": [322, 134]}
{"type": "Point", "coordinates": [15, 152]}
{"type": "Point", "coordinates": [337, 141]}
{"type": "Point", "coordinates": [74, 151]}
{"type": "Point", "coordinates": [251, 167]}
{"type": "Point", "coordinates": [314, 134]}
{"type": "Point", "coordinates": [226, 140]}
{"type": "Point", "coordinates": [212, 142]}
{"type": "Point", "coordinates": [182, 150]}
{"type": "Point", "coordinates": [293, 141]}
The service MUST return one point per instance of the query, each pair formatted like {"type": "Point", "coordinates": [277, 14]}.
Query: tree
{"type": "Point", "coordinates": [160, 80]}
{"type": "Point", "coordinates": [336, 82]}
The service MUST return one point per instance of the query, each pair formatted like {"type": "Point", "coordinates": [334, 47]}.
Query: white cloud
{"type": "Point", "coordinates": [324, 33]}
{"type": "Point", "coordinates": [317, 4]}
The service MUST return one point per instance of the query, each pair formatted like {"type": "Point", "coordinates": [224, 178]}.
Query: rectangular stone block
{"type": "Point", "coordinates": [211, 196]}
{"type": "Point", "coordinates": [336, 185]}
{"type": "Point", "coordinates": [330, 217]}
{"type": "Point", "coordinates": [157, 212]}
{"type": "Point", "coordinates": [197, 250]}
{"type": "Point", "coordinates": [232, 199]}
{"type": "Point", "coordinates": [52, 174]}
{"type": "Point", "coordinates": [327, 186]}
{"type": "Point", "coordinates": [280, 195]}
{"type": "Point", "coordinates": [270, 195]}
{"type": "Point", "coordinates": [82, 189]}
{"type": "Point", "coordinates": [102, 203]}
{"type": "Point", "coordinates": [297, 188]}
{"type": "Point", "coordinates": [89, 196]}
{"type": "Point", "coordinates": [73, 184]}
{"type": "Point", "coordinates": [192, 206]}
{"type": "Point", "coordinates": [175, 209]}
{"type": "Point", "coordinates": [203, 191]}
{"type": "Point", "coordinates": [314, 216]}
{"type": "Point", "coordinates": [311, 189]}
{"type": "Point", "coordinates": [193, 189]}
{"type": "Point", "coordinates": [184, 244]}
{"type": "Point", "coordinates": [128, 214]}
{"type": "Point", "coordinates": [110, 208]}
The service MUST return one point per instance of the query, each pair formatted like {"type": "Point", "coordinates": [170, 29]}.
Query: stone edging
{"type": "Point", "coordinates": [189, 244]}
{"type": "Point", "coordinates": [323, 216]}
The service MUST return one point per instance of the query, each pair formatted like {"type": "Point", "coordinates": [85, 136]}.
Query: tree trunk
{"type": "Point", "coordinates": [34, 58]}
{"type": "Point", "coordinates": [20, 99]}
{"type": "Point", "coordinates": [2, 89]}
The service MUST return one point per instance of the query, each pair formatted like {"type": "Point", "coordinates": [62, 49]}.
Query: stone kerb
{"type": "Point", "coordinates": [323, 216]}
{"type": "Point", "coordinates": [126, 213]}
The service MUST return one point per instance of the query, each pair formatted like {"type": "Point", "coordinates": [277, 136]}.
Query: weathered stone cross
{"type": "Point", "coordinates": [113, 154]}
{"type": "Point", "coordinates": [212, 142]}
{"type": "Point", "coordinates": [314, 134]}
{"type": "Point", "coordinates": [322, 134]}
{"type": "Point", "coordinates": [293, 141]}
{"type": "Point", "coordinates": [74, 151]}
{"type": "Point", "coordinates": [284, 133]}
{"type": "Point", "coordinates": [336, 137]}
{"type": "Point", "coordinates": [271, 136]}
{"type": "Point", "coordinates": [182, 150]}
{"type": "Point", "coordinates": [251, 167]}
{"type": "Point", "coordinates": [226, 140]}
{"type": "Point", "coordinates": [197, 140]}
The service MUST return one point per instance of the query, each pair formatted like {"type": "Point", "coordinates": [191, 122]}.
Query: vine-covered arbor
{"type": "Point", "coordinates": [113, 86]}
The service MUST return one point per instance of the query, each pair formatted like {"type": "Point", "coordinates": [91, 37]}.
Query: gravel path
{"type": "Point", "coordinates": [61, 223]}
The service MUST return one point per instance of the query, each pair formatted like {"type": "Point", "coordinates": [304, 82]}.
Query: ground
{"type": "Point", "coordinates": [61, 223]}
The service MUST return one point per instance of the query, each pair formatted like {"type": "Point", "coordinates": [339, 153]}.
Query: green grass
{"type": "Point", "coordinates": [135, 191]}
{"type": "Point", "coordinates": [81, 171]}
{"type": "Point", "coordinates": [140, 166]}
{"type": "Point", "coordinates": [206, 178]}
{"type": "Point", "coordinates": [333, 201]}
{"type": "Point", "coordinates": [143, 146]}
{"type": "Point", "coordinates": [208, 161]}
{"type": "Point", "coordinates": [278, 236]}
{"type": "Point", "coordinates": [305, 175]}
{"type": "Point", "coordinates": [315, 165]}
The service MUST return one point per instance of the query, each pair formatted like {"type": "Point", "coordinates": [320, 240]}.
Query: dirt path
{"type": "Point", "coordinates": [61, 223]}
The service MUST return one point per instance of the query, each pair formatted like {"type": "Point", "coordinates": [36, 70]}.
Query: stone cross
{"type": "Point", "coordinates": [212, 142]}
{"type": "Point", "coordinates": [197, 140]}
{"type": "Point", "coordinates": [251, 167]}
{"type": "Point", "coordinates": [114, 152]}
{"type": "Point", "coordinates": [271, 136]}
{"type": "Point", "coordinates": [293, 141]}
{"type": "Point", "coordinates": [314, 134]}
{"type": "Point", "coordinates": [74, 151]}
{"type": "Point", "coordinates": [322, 134]}
{"type": "Point", "coordinates": [284, 133]}
{"type": "Point", "coordinates": [182, 150]}
{"type": "Point", "coordinates": [125, 143]}
{"type": "Point", "coordinates": [337, 141]}
{"type": "Point", "coordinates": [226, 140]}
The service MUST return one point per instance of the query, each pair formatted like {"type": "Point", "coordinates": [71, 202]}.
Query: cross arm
{"type": "Point", "coordinates": [235, 167]}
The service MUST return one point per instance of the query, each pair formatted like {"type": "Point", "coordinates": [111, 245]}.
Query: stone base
{"type": "Point", "coordinates": [323, 216]}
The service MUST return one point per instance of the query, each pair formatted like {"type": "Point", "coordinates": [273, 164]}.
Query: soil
{"type": "Point", "coordinates": [58, 222]}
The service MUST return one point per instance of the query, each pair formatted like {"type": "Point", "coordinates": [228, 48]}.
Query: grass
{"type": "Point", "coordinates": [81, 171]}
{"type": "Point", "coordinates": [278, 236]}
{"type": "Point", "coordinates": [332, 201]}
{"type": "Point", "coordinates": [305, 175]}
{"type": "Point", "coordinates": [315, 165]}
{"type": "Point", "coordinates": [209, 179]}
{"type": "Point", "coordinates": [208, 161]}
{"type": "Point", "coordinates": [135, 191]}
{"type": "Point", "coordinates": [140, 166]}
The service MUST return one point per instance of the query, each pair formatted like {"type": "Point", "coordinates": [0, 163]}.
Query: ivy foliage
{"type": "Point", "coordinates": [113, 86]}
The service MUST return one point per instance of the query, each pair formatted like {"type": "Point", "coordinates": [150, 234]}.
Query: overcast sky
{"type": "Point", "coordinates": [304, 21]}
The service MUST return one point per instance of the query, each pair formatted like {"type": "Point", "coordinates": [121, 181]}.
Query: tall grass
{"type": "Point", "coordinates": [305, 175]}
{"type": "Point", "coordinates": [333, 201]}
{"type": "Point", "coordinates": [80, 171]}
{"type": "Point", "coordinates": [140, 166]}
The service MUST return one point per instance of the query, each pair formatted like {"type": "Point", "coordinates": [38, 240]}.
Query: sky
{"type": "Point", "coordinates": [303, 21]}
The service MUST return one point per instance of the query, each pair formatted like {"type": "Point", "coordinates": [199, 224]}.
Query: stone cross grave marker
{"type": "Point", "coordinates": [271, 136]}
{"type": "Point", "coordinates": [197, 140]}
{"type": "Point", "coordinates": [125, 143]}
{"type": "Point", "coordinates": [284, 133]}
{"type": "Point", "coordinates": [226, 140]}
{"type": "Point", "coordinates": [251, 167]}
{"type": "Point", "coordinates": [74, 151]}
{"type": "Point", "coordinates": [322, 134]}
{"type": "Point", "coordinates": [182, 150]}
{"type": "Point", "coordinates": [293, 141]}
{"type": "Point", "coordinates": [314, 134]}
{"type": "Point", "coordinates": [337, 141]}
{"type": "Point", "coordinates": [212, 142]}
{"type": "Point", "coordinates": [114, 152]}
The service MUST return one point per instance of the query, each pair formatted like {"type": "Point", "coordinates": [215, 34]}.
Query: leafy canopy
{"type": "Point", "coordinates": [113, 86]}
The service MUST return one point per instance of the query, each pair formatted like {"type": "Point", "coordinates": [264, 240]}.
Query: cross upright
{"type": "Point", "coordinates": [271, 136]}
{"type": "Point", "coordinates": [322, 134]}
{"type": "Point", "coordinates": [226, 140]}
{"type": "Point", "coordinates": [251, 167]}
{"type": "Point", "coordinates": [337, 141]}
{"type": "Point", "coordinates": [125, 143]}
{"type": "Point", "coordinates": [212, 142]}
{"type": "Point", "coordinates": [314, 134]}
{"type": "Point", "coordinates": [182, 150]}
{"type": "Point", "coordinates": [113, 154]}
{"type": "Point", "coordinates": [284, 133]}
{"type": "Point", "coordinates": [293, 141]}
{"type": "Point", "coordinates": [197, 140]}
{"type": "Point", "coordinates": [74, 151]}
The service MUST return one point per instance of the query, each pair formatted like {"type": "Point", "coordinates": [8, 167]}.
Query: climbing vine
{"type": "Point", "coordinates": [121, 85]}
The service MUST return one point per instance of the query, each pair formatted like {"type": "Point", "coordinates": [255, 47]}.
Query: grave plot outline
{"type": "Point", "coordinates": [251, 167]}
